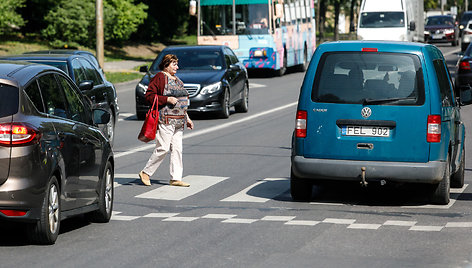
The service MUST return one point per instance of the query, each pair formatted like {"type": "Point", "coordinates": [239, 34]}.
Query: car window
{"type": "Point", "coordinates": [33, 93]}
{"type": "Point", "coordinates": [91, 73]}
{"type": "Point", "coordinates": [8, 100]}
{"type": "Point", "coordinates": [92, 59]}
{"type": "Point", "coordinates": [444, 83]}
{"type": "Point", "coordinates": [76, 109]}
{"type": "Point", "coordinates": [58, 64]}
{"type": "Point", "coordinates": [357, 77]}
{"type": "Point", "coordinates": [231, 55]}
{"type": "Point", "coordinates": [79, 73]}
{"type": "Point", "coordinates": [52, 95]}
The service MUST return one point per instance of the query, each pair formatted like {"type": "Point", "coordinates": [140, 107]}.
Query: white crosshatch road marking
{"type": "Point", "coordinates": [262, 191]}
{"type": "Point", "coordinates": [197, 184]}
{"type": "Point", "coordinates": [455, 193]}
{"type": "Point", "coordinates": [121, 179]}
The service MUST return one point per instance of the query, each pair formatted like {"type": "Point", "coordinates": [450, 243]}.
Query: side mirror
{"type": "Point", "coordinates": [465, 94]}
{"type": "Point", "coordinates": [412, 26]}
{"type": "Point", "coordinates": [235, 67]}
{"type": "Point", "coordinates": [86, 85]}
{"type": "Point", "coordinates": [143, 69]}
{"type": "Point", "coordinates": [100, 116]}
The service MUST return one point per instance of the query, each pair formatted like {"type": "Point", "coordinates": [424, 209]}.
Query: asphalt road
{"type": "Point", "coordinates": [238, 211]}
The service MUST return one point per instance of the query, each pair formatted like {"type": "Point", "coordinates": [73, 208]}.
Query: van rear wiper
{"type": "Point", "coordinates": [382, 101]}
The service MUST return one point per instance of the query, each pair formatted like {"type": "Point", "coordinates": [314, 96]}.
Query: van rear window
{"type": "Point", "coordinates": [369, 78]}
{"type": "Point", "coordinates": [8, 100]}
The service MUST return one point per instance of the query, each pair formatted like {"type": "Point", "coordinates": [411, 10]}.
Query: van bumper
{"type": "Point", "coordinates": [350, 170]}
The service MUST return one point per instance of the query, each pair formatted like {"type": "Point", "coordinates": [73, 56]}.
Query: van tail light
{"type": "Point", "coordinates": [16, 134]}
{"type": "Point", "coordinates": [300, 124]}
{"type": "Point", "coordinates": [464, 65]}
{"type": "Point", "coordinates": [369, 49]}
{"type": "Point", "coordinates": [434, 128]}
{"type": "Point", "coordinates": [13, 213]}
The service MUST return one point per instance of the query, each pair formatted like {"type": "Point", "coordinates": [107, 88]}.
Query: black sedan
{"type": "Point", "coordinates": [87, 54]}
{"type": "Point", "coordinates": [213, 76]}
{"type": "Point", "coordinates": [54, 161]}
{"type": "Point", "coordinates": [90, 80]}
{"type": "Point", "coordinates": [463, 77]}
{"type": "Point", "coordinates": [441, 29]}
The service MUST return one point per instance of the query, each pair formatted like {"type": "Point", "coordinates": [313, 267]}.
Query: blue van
{"type": "Point", "coordinates": [378, 112]}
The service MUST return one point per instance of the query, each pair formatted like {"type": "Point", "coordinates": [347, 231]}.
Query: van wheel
{"type": "Point", "coordinates": [300, 189]}
{"type": "Point", "coordinates": [457, 178]}
{"type": "Point", "coordinates": [440, 191]}
{"type": "Point", "coordinates": [46, 229]}
{"type": "Point", "coordinates": [105, 197]}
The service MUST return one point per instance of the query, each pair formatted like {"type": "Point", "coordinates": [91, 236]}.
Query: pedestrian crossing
{"type": "Point", "coordinates": [259, 192]}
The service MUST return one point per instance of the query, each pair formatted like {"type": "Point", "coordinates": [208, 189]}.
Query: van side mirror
{"type": "Point", "coordinates": [465, 95]}
{"type": "Point", "coordinates": [412, 26]}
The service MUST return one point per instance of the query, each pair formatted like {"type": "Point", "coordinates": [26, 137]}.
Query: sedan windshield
{"type": "Point", "coordinates": [194, 60]}
{"type": "Point", "coordinates": [432, 21]}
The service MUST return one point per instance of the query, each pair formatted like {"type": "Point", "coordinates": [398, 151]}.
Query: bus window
{"type": "Point", "coordinates": [217, 20]}
{"type": "Point", "coordinates": [252, 19]}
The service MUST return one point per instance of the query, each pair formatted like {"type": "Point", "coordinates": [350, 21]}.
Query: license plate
{"type": "Point", "coordinates": [438, 36]}
{"type": "Point", "coordinates": [367, 131]}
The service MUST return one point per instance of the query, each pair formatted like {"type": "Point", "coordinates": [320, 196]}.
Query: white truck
{"type": "Point", "coordinates": [399, 20]}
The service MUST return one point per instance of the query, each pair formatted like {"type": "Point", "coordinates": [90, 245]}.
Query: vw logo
{"type": "Point", "coordinates": [366, 112]}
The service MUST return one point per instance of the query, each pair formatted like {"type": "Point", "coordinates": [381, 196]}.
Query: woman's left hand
{"type": "Point", "coordinates": [190, 123]}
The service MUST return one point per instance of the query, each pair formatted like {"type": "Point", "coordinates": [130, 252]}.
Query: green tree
{"type": "Point", "coordinates": [430, 4]}
{"type": "Point", "coordinates": [72, 22]}
{"type": "Point", "coordinates": [9, 18]}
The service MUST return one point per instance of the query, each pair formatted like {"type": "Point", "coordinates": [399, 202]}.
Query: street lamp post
{"type": "Point", "coordinates": [99, 22]}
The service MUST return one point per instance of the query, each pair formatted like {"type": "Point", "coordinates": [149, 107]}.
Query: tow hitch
{"type": "Point", "coordinates": [363, 181]}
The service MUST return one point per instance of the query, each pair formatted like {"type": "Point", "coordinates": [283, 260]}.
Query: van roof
{"type": "Point", "coordinates": [382, 5]}
{"type": "Point", "coordinates": [380, 46]}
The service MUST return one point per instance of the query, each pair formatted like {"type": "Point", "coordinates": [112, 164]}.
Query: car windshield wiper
{"type": "Point", "coordinates": [382, 101]}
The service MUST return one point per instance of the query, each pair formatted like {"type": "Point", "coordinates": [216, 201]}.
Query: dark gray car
{"type": "Point", "coordinates": [88, 78]}
{"type": "Point", "coordinates": [54, 160]}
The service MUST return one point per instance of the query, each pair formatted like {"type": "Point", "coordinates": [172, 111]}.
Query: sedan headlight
{"type": "Point", "coordinates": [426, 32]}
{"type": "Point", "coordinates": [449, 31]}
{"type": "Point", "coordinates": [142, 87]}
{"type": "Point", "coordinates": [210, 89]}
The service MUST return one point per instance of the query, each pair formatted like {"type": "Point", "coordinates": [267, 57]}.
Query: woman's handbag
{"type": "Point", "coordinates": [149, 128]}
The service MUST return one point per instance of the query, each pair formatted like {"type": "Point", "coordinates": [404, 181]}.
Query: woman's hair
{"type": "Point", "coordinates": [167, 60]}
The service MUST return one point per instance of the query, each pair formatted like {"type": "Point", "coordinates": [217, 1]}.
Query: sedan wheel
{"type": "Point", "coordinates": [110, 128]}
{"type": "Point", "coordinates": [225, 105]}
{"type": "Point", "coordinates": [46, 229]}
{"type": "Point", "coordinates": [105, 198]}
{"type": "Point", "coordinates": [243, 106]}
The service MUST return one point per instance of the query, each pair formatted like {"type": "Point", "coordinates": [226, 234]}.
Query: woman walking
{"type": "Point", "coordinates": [173, 102]}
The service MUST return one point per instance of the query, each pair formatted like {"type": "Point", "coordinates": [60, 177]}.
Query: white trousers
{"type": "Point", "coordinates": [169, 138]}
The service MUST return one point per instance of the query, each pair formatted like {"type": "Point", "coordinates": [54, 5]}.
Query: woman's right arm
{"type": "Point", "coordinates": [156, 86]}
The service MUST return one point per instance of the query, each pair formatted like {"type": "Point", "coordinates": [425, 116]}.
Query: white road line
{"type": "Point", "coordinates": [260, 192]}
{"type": "Point", "coordinates": [121, 179]}
{"type": "Point", "coordinates": [160, 215]}
{"type": "Point", "coordinates": [458, 225]}
{"type": "Point", "coordinates": [254, 85]}
{"type": "Point", "coordinates": [399, 223]}
{"type": "Point", "coordinates": [339, 221]}
{"type": "Point", "coordinates": [303, 223]}
{"type": "Point", "coordinates": [426, 228]}
{"type": "Point", "coordinates": [219, 216]}
{"type": "Point", "coordinates": [185, 219]}
{"type": "Point", "coordinates": [232, 220]}
{"type": "Point", "coordinates": [278, 218]}
{"type": "Point", "coordinates": [198, 184]}
{"type": "Point", "coordinates": [210, 129]}
{"type": "Point", "coordinates": [364, 226]}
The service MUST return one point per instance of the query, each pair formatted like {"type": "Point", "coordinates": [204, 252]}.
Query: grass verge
{"type": "Point", "coordinates": [119, 77]}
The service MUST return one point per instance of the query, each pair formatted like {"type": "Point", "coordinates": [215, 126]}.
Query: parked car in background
{"type": "Point", "coordinates": [87, 54]}
{"type": "Point", "coordinates": [213, 76]}
{"type": "Point", "coordinates": [89, 79]}
{"type": "Point", "coordinates": [465, 18]}
{"type": "Point", "coordinates": [466, 36]}
{"type": "Point", "coordinates": [345, 130]}
{"type": "Point", "coordinates": [463, 75]}
{"type": "Point", "coordinates": [55, 162]}
{"type": "Point", "coordinates": [441, 29]}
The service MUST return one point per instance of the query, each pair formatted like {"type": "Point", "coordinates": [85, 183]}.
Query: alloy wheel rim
{"type": "Point", "coordinates": [108, 191]}
{"type": "Point", "coordinates": [53, 211]}
{"type": "Point", "coordinates": [227, 103]}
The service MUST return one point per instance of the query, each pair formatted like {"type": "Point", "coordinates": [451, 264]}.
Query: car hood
{"type": "Point", "coordinates": [192, 77]}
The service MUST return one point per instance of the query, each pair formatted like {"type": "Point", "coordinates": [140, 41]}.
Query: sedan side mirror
{"type": "Point", "coordinates": [100, 116]}
{"type": "Point", "coordinates": [235, 67]}
{"type": "Point", "coordinates": [143, 69]}
{"type": "Point", "coordinates": [86, 85]}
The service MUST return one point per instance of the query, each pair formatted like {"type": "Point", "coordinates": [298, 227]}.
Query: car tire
{"type": "Point", "coordinates": [224, 113]}
{"type": "Point", "coordinates": [457, 178]}
{"type": "Point", "coordinates": [300, 189]}
{"type": "Point", "coordinates": [441, 191]}
{"type": "Point", "coordinates": [243, 105]}
{"type": "Point", "coordinates": [105, 197]}
{"type": "Point", "coordinates": [46, 229]}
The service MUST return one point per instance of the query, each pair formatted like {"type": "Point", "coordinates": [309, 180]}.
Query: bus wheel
{"type": "Point", "coordinates": [304, 65]}
{"type": "Point", "coordinates": [283, 69]}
